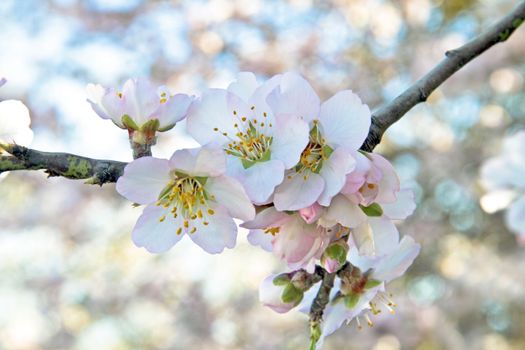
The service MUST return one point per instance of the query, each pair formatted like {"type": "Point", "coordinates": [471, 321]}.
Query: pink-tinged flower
{"type": "Point", "coordinates": [503, 177]}
{"type": "Point", "coordinates": [360, 289]}
{"type": "Point", "coordinates": [138, 104]}
{"type": "Point", "coordinates": [372, 189]}
{"type": "Point", "coordinates": [279, 294]}
{"type": "Point", "coordinates": [289, 237]}
{"type": "Point", "coordinates": [311, 213]}
{"type": "Point", "coordinates": [259, 143]}
{"type": "Point", "coordinates": [187, 194]}
{"type": "Point", "coordinates": [337, 127]}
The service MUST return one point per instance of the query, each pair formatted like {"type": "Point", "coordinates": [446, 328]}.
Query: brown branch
{"type": "Point", "coordinates": [383, 118]}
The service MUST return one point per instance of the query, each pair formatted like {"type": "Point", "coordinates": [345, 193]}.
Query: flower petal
{"type": "Point", "coordinates": [173, 110]}
{"type": "Point", "coordinates": [396, 263]}
{"type": "Point", "coordinates": [154, 235]}
{"type": "Point", "coordinates": [295, 96]}
{"type": "Point", "coordinates": [220, 233]}
{"type": "Point", "coordinates": [389, 184]}
{"type": "Point", "coordinates": [229, 193]}
{"type": "Point", "coordinates": [290, 137]}
{"type": "Point", "coordinates": [345, 212]}
{"type": "Point", "coordinates": [201, 161]}
{"type": "Point", "coordinates": [403, 207]}
{"type": "Point", "coordinates": [377, 237]}
{"type": "Point", "coordinates": [334, 172]}
{"type": "Point", "coordinates": [261, 239]}
{"type": "Point", "coordinates": [140, 99]}
{"type": "Point", "coordinates": [259, 180]}
{"type": "Point", "coordinates": [14, 123]}
{"type": "Point", "coordinates": [345, 120]}
{"type": "Point", "coordinates": [268, 217]}
{"type": "Point", "coordinates": [244, 86]}
{"type": "Point", "coordinates": [297, 193]}
{"type": "Point", "coordinates": [144, 179]}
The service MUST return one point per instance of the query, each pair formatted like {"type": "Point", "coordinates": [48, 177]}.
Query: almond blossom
{"type": "Point", "coordinates": [289, 237]}
{"type": "Point", "coordinates": [259, 143]}
{"type": "Point", "coordinates": [338, 128]}
{"type": "Point", "coordinates": [503, 177]}
{"type": "Point", "coordinates": [139, 106]}
{"type": "Point", "coordinates": [187, 194]}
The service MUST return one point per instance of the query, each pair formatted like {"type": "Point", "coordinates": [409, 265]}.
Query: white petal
{"type": "Point", "coordinates": [201, 161]}
{"type": "Point", "coordinates": [220, 233]}
{"type": "Point", "coordinates": [229, 193]}
{"type": "Point", "coordinates": [377, 237]}
{"type": "Point", "coordinates": [140, 100]}
{"type": "Point", "coordinates": [14, 123]}
{"type": "Point", "coordinates": [334, 172]}
{"type": "Point", "coordinates": [403, 207]}
{"type": "Point", "coordinates": [396, 263]}
{"type": "Point", "coordinates": [154, 235]}
{"type": "Point", "coordinates": [515, 216]}
{"type": "Point", "coordinates": [389, 184]}
{"type": "Point", "coordinates": [144, 179]}
{"type": "Point", "coordinates": [290, 137]}
{"type": "Point", "coordinates": [295, 96]}
{"type": "Point", "coordinates": [244, 86]}
{"type": "Point", "coordinates": [212, 115]}
{"type": "Point", "coordinates": [173, 110]}
{"type": "Point", "coordinates": [297, 193]}
{"type": "Point", "coordinates": [345, 212]}
{"type": "Point", "coordinates": [261, 239]}
{"type": "Point", "coordinates": [259, 180]}
{"type": "Point", "coordinates": [345, 120]}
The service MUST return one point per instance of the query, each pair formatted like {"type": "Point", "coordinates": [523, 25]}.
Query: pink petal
{"type": "Point", "coordinates": [345, 212]}
{"type": "Point", "coordinates": [144, 179]}
{"type": "Point", "coordinates": [334, 172]}
{"type": "Point", "coordinates": [268, 217]}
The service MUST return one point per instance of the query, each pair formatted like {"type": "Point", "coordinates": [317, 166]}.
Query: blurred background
{"type": "Point", "coordinates": [70, 277]}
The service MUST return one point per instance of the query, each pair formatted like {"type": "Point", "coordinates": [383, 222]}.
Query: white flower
{"type": "Point", "coordinates": [189, 194]}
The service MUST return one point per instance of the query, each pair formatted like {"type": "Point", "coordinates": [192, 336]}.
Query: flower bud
{"type": "Point", "coordinates": [311, 213]}
{"type": "Point", "coordinates": [279, 294]}
{"type": "Point", "coordinates": [334, 256]}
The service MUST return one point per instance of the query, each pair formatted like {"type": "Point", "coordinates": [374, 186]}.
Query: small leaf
{"type": "Point", "coordinates": [351, 300]}
{"type": "Point", "coordinates": [373, 209]}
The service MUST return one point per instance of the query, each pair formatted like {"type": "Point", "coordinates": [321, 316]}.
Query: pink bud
{"type": "Point", "coordinates": [330, 265]}
{"type": "Point", "coordinates": [311, 213]}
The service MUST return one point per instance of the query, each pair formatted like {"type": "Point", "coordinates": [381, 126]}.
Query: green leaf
{"type": "Point", "coordinates": [373, 209]}
{"type": "Point", "coordinates": [129, 123]}
{"type": "Point", "coordinates": [372, 283]}
{"type": "Point", "coordinates": [351, 300]}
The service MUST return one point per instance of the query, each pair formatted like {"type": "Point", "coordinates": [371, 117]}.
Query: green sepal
{"type": "Point", "coordinates": [373, 209]}
{"type": "Point", "coordinates": [327, 151]}
{"type": "Point", "coordinates": [150, 125]}
{"type": "Point", "coordinates": [201, 179]}
{"type": "Point", "coordinates": [246, 163]}
{"type": "Point", "coordinates": [129, 123]}
{"type": "Point", "coordinates": [336, 252]}
{"type": "Point", "coordinates": [292, 294]}
{"type": "Point", "coordinates": [372, 283]}
{"type": "Point", "coordinates": [166, 128]}
{"type": "Point", "coordinates": [281, 280]}
{"type": "Point", "coordinates": [351, 300]}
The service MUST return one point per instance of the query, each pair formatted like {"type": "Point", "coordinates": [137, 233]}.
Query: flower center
{"type": "Point", "coordinates": [315, 153]}
{"type": "Point", "coordinates": [250, 143]}
{"type": "Point", "coordinates": [186, 196]}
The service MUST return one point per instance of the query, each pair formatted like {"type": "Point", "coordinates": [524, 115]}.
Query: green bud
{"type": "Point", "coordinates": [373, 209]}
{"type": "Point", "coordinates": [337, 251]}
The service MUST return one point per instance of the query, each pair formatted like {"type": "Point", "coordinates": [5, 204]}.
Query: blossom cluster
{"type": "Point", "coordinates": [276, 147]}
{"type": "Point", "coordinates": [503, 177]}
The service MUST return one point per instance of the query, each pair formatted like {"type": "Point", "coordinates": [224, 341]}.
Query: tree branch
{"type": "Point", "coordinates": [104, 171]}
{"type": "Point", "coordinates": [384, 117]}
